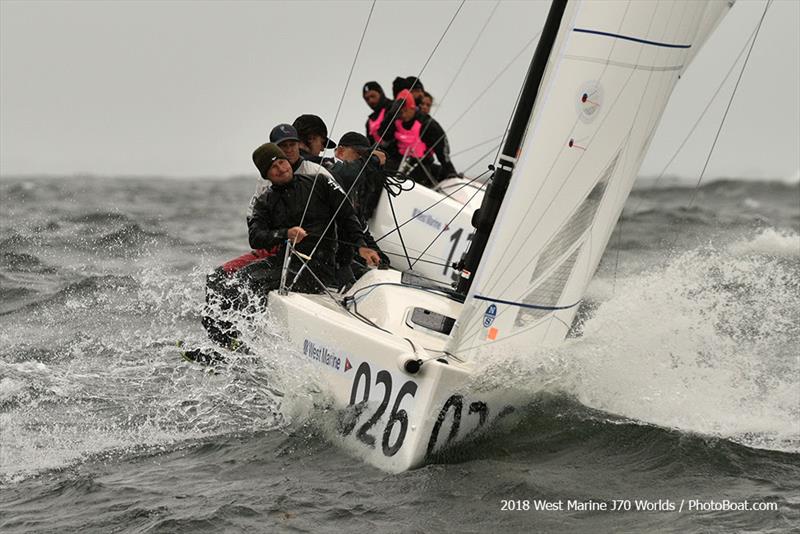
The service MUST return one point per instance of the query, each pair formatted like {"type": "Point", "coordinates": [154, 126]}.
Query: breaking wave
{"type": "Point", "coordinates": [706, 344]}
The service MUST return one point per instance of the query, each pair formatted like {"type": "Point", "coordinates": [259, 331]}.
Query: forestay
{"type": "Point", "coordinates": [611, 71]}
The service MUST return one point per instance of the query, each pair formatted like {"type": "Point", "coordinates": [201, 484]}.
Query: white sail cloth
{"type": "Point", "coordinates": [610, 74]}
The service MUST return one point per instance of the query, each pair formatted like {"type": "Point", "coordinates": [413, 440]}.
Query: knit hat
{"type": "Point", "coordinates": [399, 84]}
{"type": "Point", "coordinates": [405, 95]}
{"type": "Point", "coordinates": [265, 155]}
{"type": "Point", "coordinates": [414, 82]}
{"type": "Point", "coordinates": [372, 86]}
{"type": "Point", "coordinates": [283, 132]}
{"type": "Point", "coordinates": [312, 124]}
{"type": "Point", "coordinates": [354, 140]}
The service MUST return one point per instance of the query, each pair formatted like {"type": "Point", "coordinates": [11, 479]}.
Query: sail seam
{"type": "Point", "coordinates": [625, 65]}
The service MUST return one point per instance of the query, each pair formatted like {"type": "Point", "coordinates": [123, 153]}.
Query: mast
{"type": "Point", "coordinates": [490, 206]}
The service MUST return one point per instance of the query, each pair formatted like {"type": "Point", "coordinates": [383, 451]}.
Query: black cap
{"type": "Point", "coordinates": [355, 140]}
{"type": "Point", "coordinates": [312, 124]}
{"type": "Point", "coordinates": [414, 83]}
{"type": "Point", "coordinates": [283, 132]}
{"type": "Point", "coordinates": [372, 86]}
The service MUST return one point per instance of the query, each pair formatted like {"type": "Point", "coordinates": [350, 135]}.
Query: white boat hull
{"type": "Point", "coordinates": [436, 227]}
{"type": "Point", "coordinates": [391, 418]}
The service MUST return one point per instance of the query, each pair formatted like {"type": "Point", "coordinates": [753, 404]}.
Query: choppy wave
{"type": "Point", "coordinates": [100, 217]}
{"type": "Point", "coordinates": [23, 262]}
{"type": "Point", "coordinates": [682, 370]}
{"type": "Point", "coordinates": [770, 242]}
{"type": "Point", "coordinates": [130, 235]}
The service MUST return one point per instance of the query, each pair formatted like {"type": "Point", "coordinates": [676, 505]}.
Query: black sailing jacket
{"type": "Point", "coordinates": [281, 207]}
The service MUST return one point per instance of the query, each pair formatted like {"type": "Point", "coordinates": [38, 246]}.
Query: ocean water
{"type": "Point", "coordinates": [679, 387]}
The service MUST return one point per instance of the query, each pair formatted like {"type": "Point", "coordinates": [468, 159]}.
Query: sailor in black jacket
{"type": "Point", "coordinates": [278, 213]}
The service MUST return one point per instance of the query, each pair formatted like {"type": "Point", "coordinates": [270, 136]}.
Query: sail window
{"type": "Point", "coordinates": [430, 320]}
{"type": "Point", "coordinates": [547, 294]}
{"type": "Point", "coordinates": [576, 225]}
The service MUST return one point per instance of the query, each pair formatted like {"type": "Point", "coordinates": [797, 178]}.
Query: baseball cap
{"type": "Point", "coordinates": [283, 132]}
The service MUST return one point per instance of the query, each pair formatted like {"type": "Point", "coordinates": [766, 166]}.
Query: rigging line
{"type": "Point", "coordinates": [452, 19]}
{"type": "Point", "coordinates": [345, 198]}
{"type": "Point", "coordinates": [375, 147]}
{"type": "Point", "coordinates": [728, 108]}
{"type": "Point", "coordinates": [469, 53]}
{"type": "Point", "coordinates": [463, 63]}
{"type": "Point", "coordinates": [699, 119]}
{"type": "Point", "coordinates": [311, 271]}
{"type": "Point", "coordinates": [495, 138]}
{"type": "Point", "coordinates": [396, 253]}
{"type": "Point", "coordinates": [467, 184]}
{"type": "Point", "coordinates": [353, 66]}
{"type": "Point", "coordinates": [399, 233]}
{"type": "Point", "coordinates": [483, 157]}
{"type": "Point", "coordinates": [283, 288]}
{"type": "Point", "coordinates": [446, 226]}
{"type": "Point", "coordinates": [482, 94]}
{"type": "Point", "coordinates": [627, 151]}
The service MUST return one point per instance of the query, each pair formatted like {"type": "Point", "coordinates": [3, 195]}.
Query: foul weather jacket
{"type": "Point", "coordinates": [281, 207]}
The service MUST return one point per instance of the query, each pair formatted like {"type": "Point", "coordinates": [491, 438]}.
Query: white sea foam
{"type": "Point", "coordinates": [771, 242]}
{"type": "Point", "coordinates": [121, 385]}
{"type": "Point", "coordinates": [706, 344]}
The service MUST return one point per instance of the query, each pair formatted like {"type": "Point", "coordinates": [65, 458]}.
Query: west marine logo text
{"type": "Point", "coordinates": [322, 354]}
{"type": "Point", "coordinates": [425, 218]}
{"type": "Point", "coordinates": [488, 317]}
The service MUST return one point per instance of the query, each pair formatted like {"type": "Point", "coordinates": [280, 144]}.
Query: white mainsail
{"type": "Point", "coordinates": [610, 74]}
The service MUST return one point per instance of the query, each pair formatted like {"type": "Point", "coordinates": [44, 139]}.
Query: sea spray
{"type": "Point", "coordinates": [705, 344]}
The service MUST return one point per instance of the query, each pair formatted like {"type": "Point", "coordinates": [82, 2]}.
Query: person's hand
{"type": "Point", "coordinates": [370, 256]}
{"type": "Point", "coordinates": [381, 155]}
{"type": "Point", "coordinates": [296, 234]}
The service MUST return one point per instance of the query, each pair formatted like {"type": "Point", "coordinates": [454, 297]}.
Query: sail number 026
{"type": "Point", "coordinates": [396, 416]}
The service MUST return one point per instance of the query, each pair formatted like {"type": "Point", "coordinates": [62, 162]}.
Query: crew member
{"type": "Point", "coordinates": [288, 140]}
{"type": "Point", "coordinates": [379, 122]}
{"type": "Point", "coordinates": [276, 217]}
{"type": "Point", "coordinates": [360, 172]}
{"type": "Point", "coordinates": [417, 138]}
{"type": "Point", "coordinates": [278, 213]}
{"type": "Point", "coordinates": [313, 137]}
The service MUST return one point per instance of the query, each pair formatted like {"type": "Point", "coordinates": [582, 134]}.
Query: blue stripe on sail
{"type": "Point", "coordinates": [523, 305]}
{"type": "Point", "coordinates": [628, 38]}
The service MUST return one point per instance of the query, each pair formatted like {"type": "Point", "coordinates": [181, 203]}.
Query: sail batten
{"type": "Point", "coordinates": [608, 79]}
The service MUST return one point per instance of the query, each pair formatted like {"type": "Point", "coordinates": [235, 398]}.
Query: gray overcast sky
{"type": "Point", "coordinates": [190, 88]}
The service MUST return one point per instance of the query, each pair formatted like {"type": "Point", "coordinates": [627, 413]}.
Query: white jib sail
{"type": "Point", "coordinates": [611, 71]}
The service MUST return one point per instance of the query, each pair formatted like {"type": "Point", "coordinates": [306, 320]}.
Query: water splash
{"type": "Point", "coordinates": [706, 344]}
{"type": "Point", "coordinates": [97, 372]}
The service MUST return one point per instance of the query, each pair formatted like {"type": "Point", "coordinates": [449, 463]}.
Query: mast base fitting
{"type": "Point", "coordinates": [412, 366]}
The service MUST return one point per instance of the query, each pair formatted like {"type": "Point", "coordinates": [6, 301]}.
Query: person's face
{"type": "Point", "coordinates": [406, 114]}
{"type": "Point", "coordinates": [372, 98]}
{"type": "Point", "coordinates": [425, 105]}
{"type": "Point", "coordinates": [291, 149]}
{"type": "Point", "coordinates": [280, 172]}
{"type": "Point", "coordinates": [316, 144]}
{"type": "Point", "coordinates": [346, 153]}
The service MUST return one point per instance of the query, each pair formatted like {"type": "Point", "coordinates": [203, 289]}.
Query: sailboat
{"type": "Point", "coordinates": [428, 230]}
{"type": "Point", "coordinates": [397, 351]}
